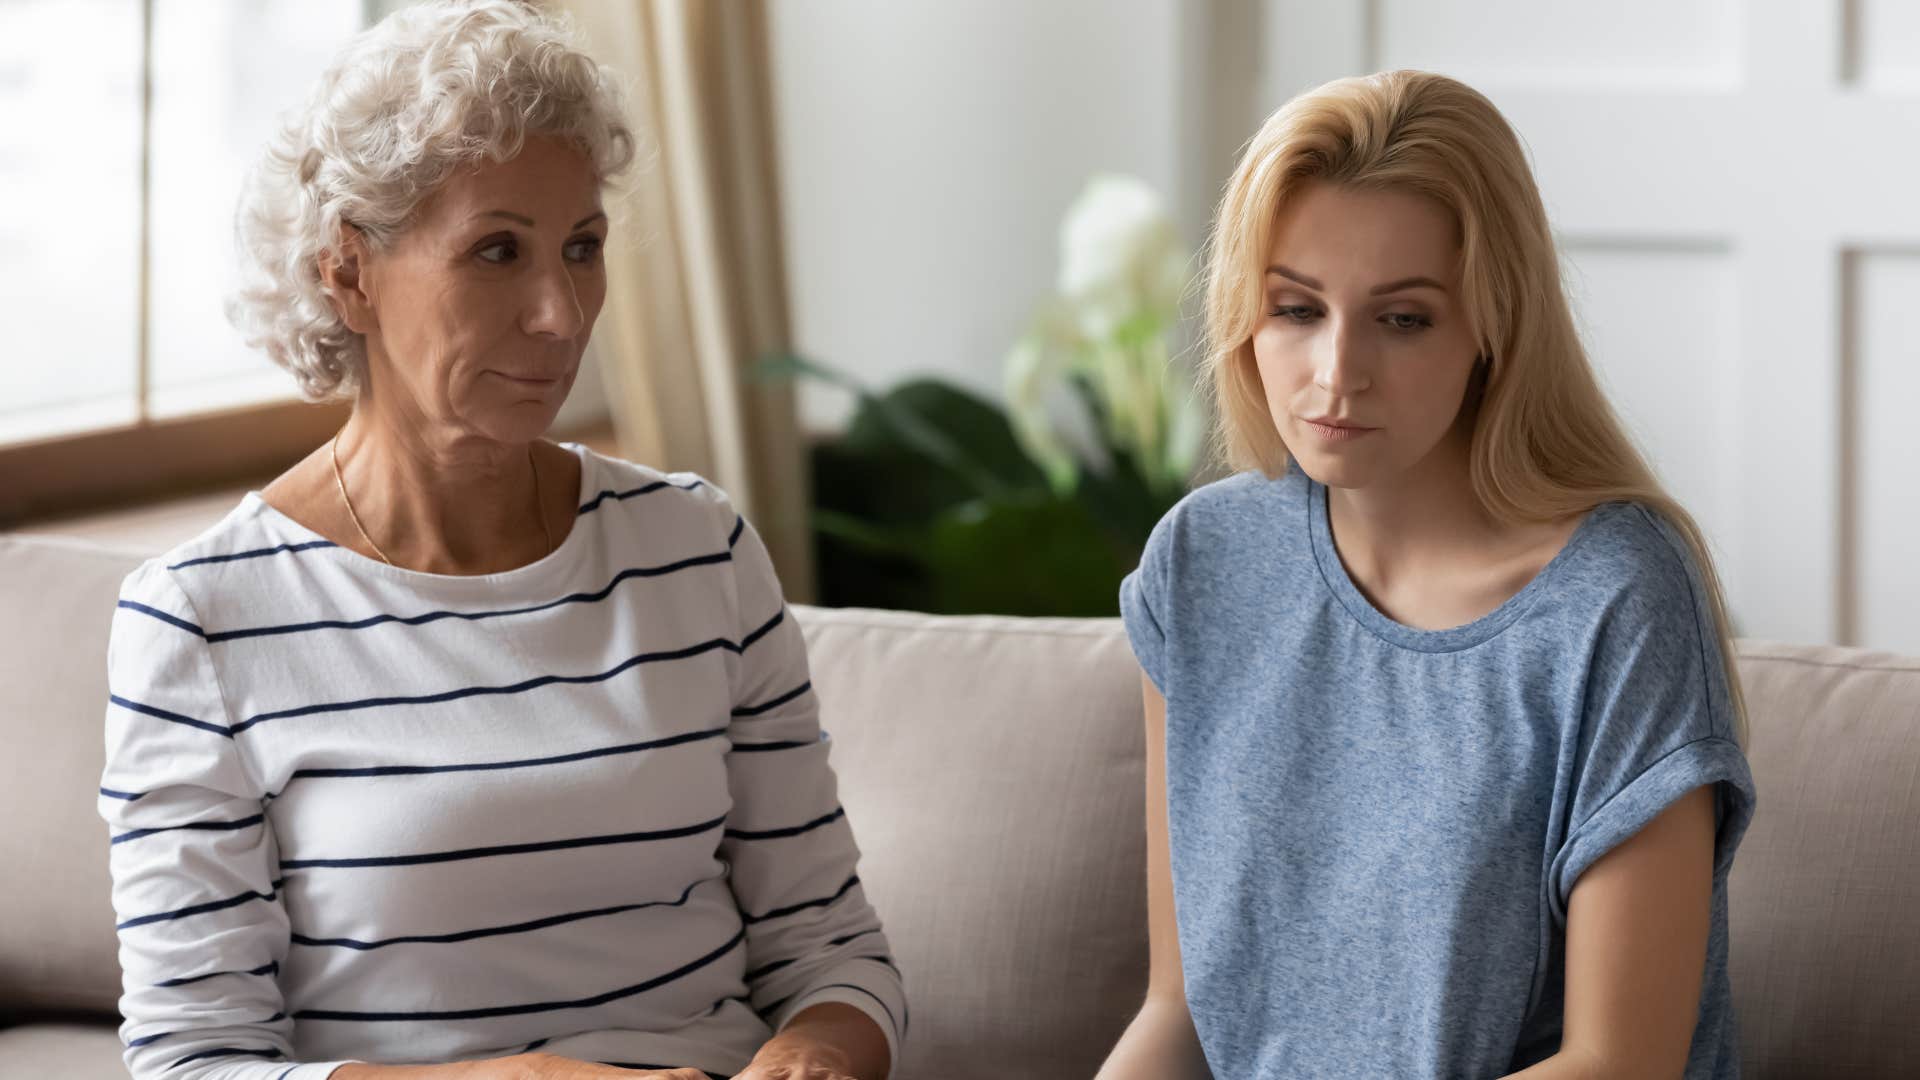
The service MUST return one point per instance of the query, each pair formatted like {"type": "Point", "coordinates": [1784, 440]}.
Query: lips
{"type": "Point", "coordinates": [1332, 430]}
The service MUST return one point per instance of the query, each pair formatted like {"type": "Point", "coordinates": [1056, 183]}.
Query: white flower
{"type": "Point", "coordinates": [1120, 257]}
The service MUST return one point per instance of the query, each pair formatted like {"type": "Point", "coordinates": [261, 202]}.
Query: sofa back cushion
{"type": "Point", "coordinates": [991, 768]}
{"type": "Point", "coordinates": [57, 948]}
{"type": "Point", "coordinates": [1824, 905]}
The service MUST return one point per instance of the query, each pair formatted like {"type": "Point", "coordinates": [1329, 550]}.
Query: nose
{"type": "Point", "coordinates": [1341, 362]}
{"type": "Point", "coordinates": [553, 303]}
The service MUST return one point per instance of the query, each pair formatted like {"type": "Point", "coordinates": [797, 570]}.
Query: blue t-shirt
{"type": "Point", "coordinates": [1375, 829]}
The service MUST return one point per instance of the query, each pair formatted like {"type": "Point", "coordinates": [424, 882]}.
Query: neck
{"type": "Point", "coordinates": [1421, 522]}
{"type": "Point", "coordinates": [440, 501]}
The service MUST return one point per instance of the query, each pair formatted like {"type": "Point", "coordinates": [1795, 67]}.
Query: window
{"type": "Point", "coordinates": [126, 127]}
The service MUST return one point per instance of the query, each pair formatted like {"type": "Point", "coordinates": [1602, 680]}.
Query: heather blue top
{"type": "Point", "coordinates": [1375, 829]}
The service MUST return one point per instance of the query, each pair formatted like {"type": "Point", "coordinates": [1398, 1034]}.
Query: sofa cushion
{"type": "Point", "coordinates": [61, 1051]}
{"type": "Point", "coordinates": [57, 946]}
{"type": "Point", "coordinates": [1825, 949]}
{"type": "Point", "coordinates": [991, 768]}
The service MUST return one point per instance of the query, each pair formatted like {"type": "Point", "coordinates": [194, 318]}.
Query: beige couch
{"type": "Point", "coordinates": [992, 770]}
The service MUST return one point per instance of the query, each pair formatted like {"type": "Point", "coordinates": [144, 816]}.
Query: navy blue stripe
{"type": "Point", "coordinates": [851, 937]}
{"type": "Point", "coordinates": [878, 958]}
{"type": "Point", "coordinates": [776, 834]}
{"type": "Point", "coordinates": [254, 554]}
{"type": "Point", "coordinates": [762, 747]}
{"type": "Point", "coordinates": [200, 909]}
{"type": "Point", "coordinates": [505, 849]}
{"type": "Point", "coordinates": [535, 1045]}
{"type": "Point", "coordinates": [477, 691]}
{"type": "Point", "coordinates": [534, 1007]}
{"type": "Point", "coordinates": [487, 766]}
{"type": "Point", "coordinates": [173, 717]}
{"type": "Point", "coordinates": [739, 526]}
{"type": "Point", "coordinates": [272, 968]}
{"type": "Point", "coordinates": [644, 489]}
{"type": "Point", "coordinates": [804, 905]}
{"type": "Point", "coordinates": [472, 616]}
{"type": "Point", "coordinates": [756, 710]}
{"type": "Point", "coordinates": [764, 630]}
{"type": "Point", "coordinates": [171, 620]}
{"type": "Point", "coordinates": [288, 1072]}
{"type": "Point", "coordinates": [492, 931]}
{"type": "Point", "coordinates": [149, 1040]}
{"type": "Point", "coordinates": [130, 796]}
{"type": "Point", "coordinates": [227, 1051]}
{"type": "Point", "coordinates": [767, 969]}
{"type": "Point", "coordinates": [212, 826]}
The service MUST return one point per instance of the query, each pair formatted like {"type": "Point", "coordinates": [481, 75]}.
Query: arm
{"type": "Point", "coordinates": [198, 911]}
{"type": "Point", "coordinates": [1637, 926]}
{"type": "Point", "coordinates": [819, 968]}
{"type": "Point", "coordinates": [1161, 1043]}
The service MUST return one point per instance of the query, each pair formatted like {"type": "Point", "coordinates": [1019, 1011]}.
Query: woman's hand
{"type": "Point", "coordinates": [791, 1055]}
{"type": "Point", "coordinates": [554, 1067]}
{"type": "Point", "coordinates": [517, 1067]}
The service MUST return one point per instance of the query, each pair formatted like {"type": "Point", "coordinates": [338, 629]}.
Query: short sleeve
{"type": "Point", "coordinates": [1143, 604]}
{"type": "Point", "coordinates": [1657, 724]}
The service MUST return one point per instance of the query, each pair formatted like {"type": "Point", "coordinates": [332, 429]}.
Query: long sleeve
{"type": "Point", "coordinates": [201, 927]}
{"type": "Point", "coordinates": [811, 935]}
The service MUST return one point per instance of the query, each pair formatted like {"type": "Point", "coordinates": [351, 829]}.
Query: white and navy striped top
{"type": "Point", "coordinates": [362, 813]}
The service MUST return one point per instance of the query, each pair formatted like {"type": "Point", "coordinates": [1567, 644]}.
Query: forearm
{"type": "Point", "coordinates": [840, 1032]}
{"type": "Point", "coordinates": [1160, 1044]}
{"type": "Point", "coordinates": [1570, 1064]}
{"type": "Point", "coordinates": [513, 1068]}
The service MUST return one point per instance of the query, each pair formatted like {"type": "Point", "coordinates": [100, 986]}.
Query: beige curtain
{"type": "Point", "coordinates": [697, 290]}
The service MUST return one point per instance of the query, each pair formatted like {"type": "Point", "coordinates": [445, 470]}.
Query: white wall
{"type": "Point", "coordinates": [1745, 295]}
{"type": "Point", "coordinates": [927, 151]}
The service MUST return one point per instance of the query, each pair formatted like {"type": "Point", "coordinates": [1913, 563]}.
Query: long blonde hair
{"type": "Point", "coordinates": [1546, 443]}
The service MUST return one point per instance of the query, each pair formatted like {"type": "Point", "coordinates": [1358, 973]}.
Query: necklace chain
{"type": "Point", "coordinates": [333, 451]}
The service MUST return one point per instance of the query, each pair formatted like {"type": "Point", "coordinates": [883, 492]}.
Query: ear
{"type": "Point", "coordinates": [343, 275]}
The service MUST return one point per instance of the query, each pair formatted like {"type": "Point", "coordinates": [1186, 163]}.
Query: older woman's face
{"type": "Point", "coordinates": [483, 306]}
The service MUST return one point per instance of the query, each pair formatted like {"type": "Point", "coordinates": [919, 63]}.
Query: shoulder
{"type": "Point", "coordinates": [1214, 520]}
{"type": "Point", "coordinates": [193, 570]}
{"type": "Point", "coordinates": [616, 492]}
{"type": "Point", "coordinates": [1635, 563]}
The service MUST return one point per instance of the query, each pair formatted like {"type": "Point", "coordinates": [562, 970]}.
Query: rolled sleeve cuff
{"type": "Point", "coordinates": [881, 1000]}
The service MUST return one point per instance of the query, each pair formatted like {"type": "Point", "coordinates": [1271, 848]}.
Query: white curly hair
{"type": "Point", "coordinates": [408, 101]}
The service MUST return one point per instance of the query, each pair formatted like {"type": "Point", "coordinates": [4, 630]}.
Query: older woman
{"type": "Point", "coordinates": [453, 746]}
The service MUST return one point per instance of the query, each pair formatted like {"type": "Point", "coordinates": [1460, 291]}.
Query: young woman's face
{"type": "Point", "coordinates": [1363, 347]}
{"type": "Point", "coordinates": [485, 303]}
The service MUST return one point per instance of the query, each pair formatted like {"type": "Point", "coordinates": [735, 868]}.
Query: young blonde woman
{"type": "Point", "coordinates": [1444, 752]}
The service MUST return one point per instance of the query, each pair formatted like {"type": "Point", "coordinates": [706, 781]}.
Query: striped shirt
{"type": "Point", "coordinates": [362, 813]}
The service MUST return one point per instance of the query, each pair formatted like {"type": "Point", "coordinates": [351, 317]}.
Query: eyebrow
{"type": "Point", "coordinates": [1377, 290]}
{"type": "Point", "coordinates": [529, 223]}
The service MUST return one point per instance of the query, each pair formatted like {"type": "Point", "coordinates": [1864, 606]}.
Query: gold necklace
{"type": "Point", "coordinates": [539, 507]}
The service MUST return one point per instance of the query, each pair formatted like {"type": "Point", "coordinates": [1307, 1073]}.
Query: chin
{"type": "Point", "coordinates": [1334, 470]}
{"type": "Point", "coordinates": [522, 422]}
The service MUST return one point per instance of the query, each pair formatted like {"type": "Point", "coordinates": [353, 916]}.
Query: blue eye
{"type": "Point", "coordinates": [1405, 321]}
{"type": "Point", "coordinates": [585, 249]}
{"type": "Point", "coordinates": [1297, 313]}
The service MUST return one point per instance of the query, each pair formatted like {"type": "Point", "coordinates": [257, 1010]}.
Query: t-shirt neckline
{"type": "Point", "coordinates": [555, 561]}
{"type": "Point", "coordinates": [1452, 639]}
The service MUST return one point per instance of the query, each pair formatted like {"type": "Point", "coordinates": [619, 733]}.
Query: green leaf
{"type": "Point", "coordinates": [970, 429]}
{"type": "Point", "coordinates": [1032, 555]}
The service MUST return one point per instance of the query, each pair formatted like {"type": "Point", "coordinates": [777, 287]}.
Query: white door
{"type": "Point", "coordinates": [1736, 187]}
